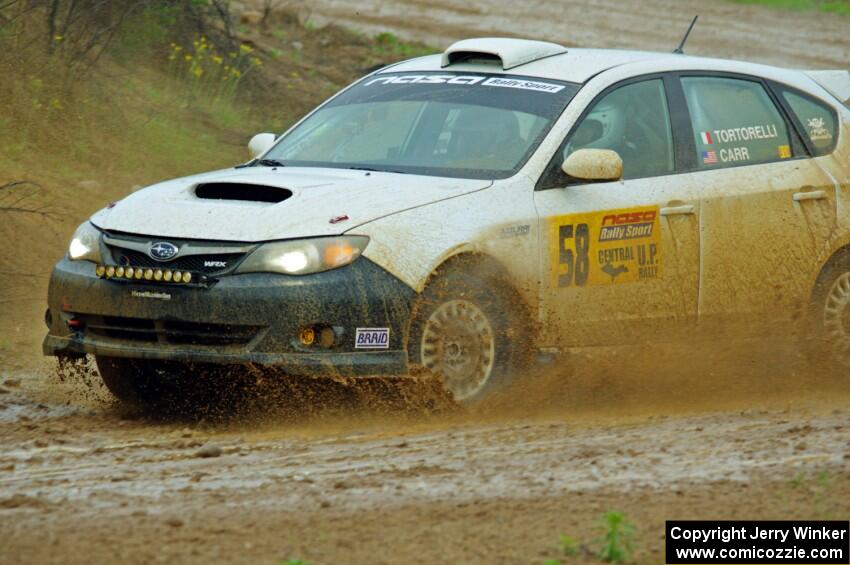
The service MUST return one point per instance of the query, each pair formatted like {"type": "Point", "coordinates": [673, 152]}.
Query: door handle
{"type": "Point", "coordinates": [809, 195]}
{"type": "Point", "coordinates": [677, 210]}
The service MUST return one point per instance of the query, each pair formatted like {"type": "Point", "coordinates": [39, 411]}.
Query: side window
{"type": "Point", "coordinates": [633, 121]}
{"type": "Point", "coordinates": [818, 121]}
{"type": "Point", "coordinates": [735, 122]}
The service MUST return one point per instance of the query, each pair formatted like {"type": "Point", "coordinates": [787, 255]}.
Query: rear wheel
{"type": "Point", "coordinates": [469, 333]}
{"type": "Point", "coordinates": [831, 317]}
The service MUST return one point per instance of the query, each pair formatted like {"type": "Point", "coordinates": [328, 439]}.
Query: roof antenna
{"type": "Point", "coordinates": [680, 49]}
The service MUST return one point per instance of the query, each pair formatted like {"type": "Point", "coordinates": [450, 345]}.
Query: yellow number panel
{"type": "Point", "coordinates": [606, 247]}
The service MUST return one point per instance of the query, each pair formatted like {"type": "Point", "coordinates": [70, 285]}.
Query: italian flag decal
{"type": "Point", "coordinates": [706, 138]}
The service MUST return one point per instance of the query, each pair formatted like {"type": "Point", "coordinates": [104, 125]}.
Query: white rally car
{"type": "Point", "coordinates": [463, 211]}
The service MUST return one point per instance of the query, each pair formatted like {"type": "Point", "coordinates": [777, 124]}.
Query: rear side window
{"type": "Point", "coordinates": [818, 121]}
{"type": "Point", "coordinates": [735, 122]}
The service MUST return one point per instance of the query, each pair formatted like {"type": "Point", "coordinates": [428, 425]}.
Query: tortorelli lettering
{"type": "Point", "coordinates": [732, 135]}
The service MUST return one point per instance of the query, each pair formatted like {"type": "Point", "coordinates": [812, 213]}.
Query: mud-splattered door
{"type": "Point", "coordinates": [620, 260]}
{"type": "Point", "coordinates": [763, 206]}
{"type": "Point", "coordinates": [762, 227]}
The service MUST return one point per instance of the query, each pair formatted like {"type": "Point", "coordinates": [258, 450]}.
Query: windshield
{"type": "Point", "coordinates": [442, 124]}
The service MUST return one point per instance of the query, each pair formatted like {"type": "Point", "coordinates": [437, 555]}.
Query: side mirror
{"type": "Point", "coordinates": [594, 164]}
{"type": "Point", "coordinates": [261, 143]}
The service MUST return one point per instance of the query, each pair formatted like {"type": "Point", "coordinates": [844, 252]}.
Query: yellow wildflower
{"type": "Point", "coordinates": [245, 48]}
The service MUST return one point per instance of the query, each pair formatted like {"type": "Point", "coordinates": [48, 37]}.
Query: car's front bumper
{"type": "Point", "coordinates": [251, 318]}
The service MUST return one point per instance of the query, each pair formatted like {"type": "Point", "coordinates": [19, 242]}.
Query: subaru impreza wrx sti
{"type": "Point", "coordinates": [463, 211]}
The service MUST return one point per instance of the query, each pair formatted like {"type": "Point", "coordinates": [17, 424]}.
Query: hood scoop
{"type": "Point", "coordinates": [242, 192]}
{"type": "Point", "coordinates": [506, 51]}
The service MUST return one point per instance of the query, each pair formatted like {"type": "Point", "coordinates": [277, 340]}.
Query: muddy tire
{"type": "Point", "coordinates": [829, 318]}
{"type": "Point", "coordinates": [134, 382]}
{"type": "Point", "coordinates": [470, 331]}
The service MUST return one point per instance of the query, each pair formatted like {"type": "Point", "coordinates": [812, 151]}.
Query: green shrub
{"type": "Point", "coordinates": [616, 543]}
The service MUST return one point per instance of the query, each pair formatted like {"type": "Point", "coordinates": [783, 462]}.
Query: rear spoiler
{"type": "Point", "coordinates": [836, 82]}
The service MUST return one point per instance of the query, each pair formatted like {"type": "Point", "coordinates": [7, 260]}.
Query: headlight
{"type": "Point", "coordinates": [85, 244]}
{"type": "Point", "coordinates": [304, 256]}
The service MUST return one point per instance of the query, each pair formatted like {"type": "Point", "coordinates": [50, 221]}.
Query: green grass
{"type": "Point", "coordinates": [153, 121]}
{"type": "Point", "coordinates": [831, 6]}
{"type": "Point", "coordinates": [388, 44]}
{"type": "Point", "coordinates": [616, 543]}
{"type": "Point", "coordinates": [569, 546]}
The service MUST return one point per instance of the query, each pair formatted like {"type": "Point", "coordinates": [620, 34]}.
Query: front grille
{"type": "Point", "coordinates": [206, 264]}
{"type": "Point", "coordinates": [167, 331]}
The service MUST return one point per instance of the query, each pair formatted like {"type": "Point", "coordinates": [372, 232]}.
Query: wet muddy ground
{"type": "Point", "coordinates": [656, 434]}
{"type": "Point", "coordinates": [82, 480]}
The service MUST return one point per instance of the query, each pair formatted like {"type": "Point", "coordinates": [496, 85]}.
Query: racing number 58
{"type": "Point", "coordinates": [576, 261]}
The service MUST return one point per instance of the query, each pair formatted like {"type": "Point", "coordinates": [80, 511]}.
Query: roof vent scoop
{"type": "Point", "coordinates": [509, 52]}
{"type": "Point", "coordinates": [242, 192]}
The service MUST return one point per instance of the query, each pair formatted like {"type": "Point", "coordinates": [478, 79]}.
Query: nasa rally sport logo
{"type": "Point", "coordinates": [163, 251]}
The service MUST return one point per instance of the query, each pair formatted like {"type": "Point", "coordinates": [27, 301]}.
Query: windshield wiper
{"type": "Point", "coordinates": [376, 170]}
{"type": "Point", "coordinates": [269, 163]}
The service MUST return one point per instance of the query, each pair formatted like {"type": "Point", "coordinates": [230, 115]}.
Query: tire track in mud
{"type": "Point", "coordinates": [725, 29]}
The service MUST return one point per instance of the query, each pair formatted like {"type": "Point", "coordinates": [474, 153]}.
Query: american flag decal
{"type": "Point", "coordinates": [709, 157]}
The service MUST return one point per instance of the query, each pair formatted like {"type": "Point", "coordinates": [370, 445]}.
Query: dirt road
{"type": "Point", "coordinates": [82, 481]}
{"type": "Point", "coordinates": [725, 29]}
{"type": "Point", "coordinates": [702, 435]}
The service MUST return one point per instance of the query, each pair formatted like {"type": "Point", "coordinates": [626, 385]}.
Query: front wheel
{"type": "Point", "coordinates": [468, 331]}
{"type": "Point", "coordinates": [134, 382]}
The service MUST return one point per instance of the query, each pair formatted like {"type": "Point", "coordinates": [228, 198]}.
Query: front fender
{"type": "Point", "coordinates": [499, 223]}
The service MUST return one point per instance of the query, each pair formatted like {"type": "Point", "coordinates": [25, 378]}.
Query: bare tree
{"type": "Point", "coordinates": [23, 201]}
